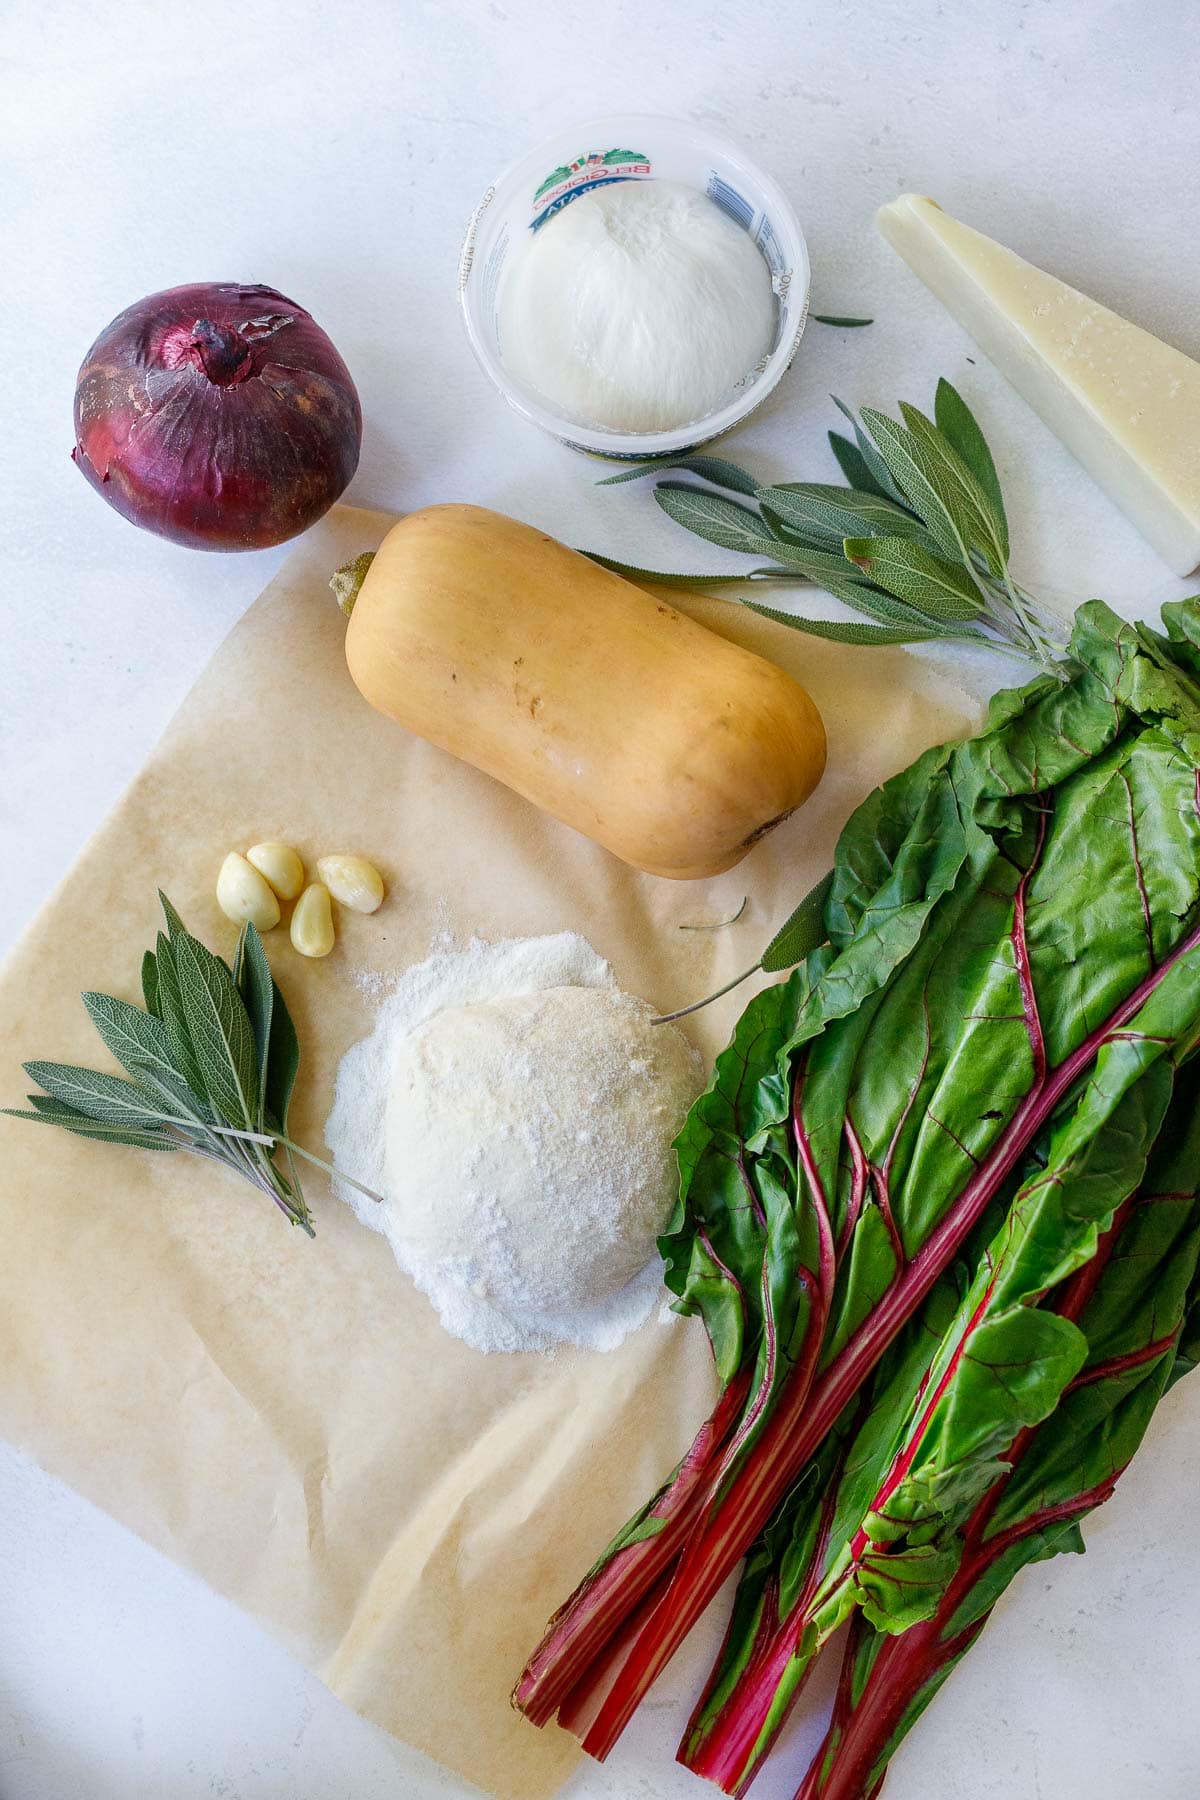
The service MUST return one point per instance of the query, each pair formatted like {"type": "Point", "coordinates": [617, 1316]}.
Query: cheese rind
{"type": "Point", "coordinates": [1123, 402]}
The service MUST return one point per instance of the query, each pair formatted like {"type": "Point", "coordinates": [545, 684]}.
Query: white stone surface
{"type": "Point", "coordinates": [336, 151]}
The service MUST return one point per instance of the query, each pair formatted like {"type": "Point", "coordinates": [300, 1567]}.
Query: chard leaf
{"type": "Point", "coordinates": [1182, 621]}
{"type": "Point", "coordinates": [902, 1588]}
{"type": "Point", "coordinates": [1136, 1304]}
{"type": "Point", "coordinates": [884, 1523]}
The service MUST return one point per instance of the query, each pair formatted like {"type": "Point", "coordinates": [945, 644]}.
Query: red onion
{"type": "Point", "coordinates": [217, 415]}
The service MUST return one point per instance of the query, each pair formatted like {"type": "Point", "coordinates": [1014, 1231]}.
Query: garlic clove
{"type": "Point", "coordinates": [312, 922]}
{"type": "Point", "coordinates": [353, 882]}
{"type": "Point", "coordinates": [279, 866]}
{"type": "Point", "coordinates": [244, 896]}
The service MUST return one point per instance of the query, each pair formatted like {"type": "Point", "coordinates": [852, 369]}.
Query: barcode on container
{"type": "Point", "coordinates": [768, 243]}
{"type": "Point", "coordinates": [730, 201]}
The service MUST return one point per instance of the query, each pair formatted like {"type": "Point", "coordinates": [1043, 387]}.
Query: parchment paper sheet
{"type": "Point", "coordinates": [285, 1418]}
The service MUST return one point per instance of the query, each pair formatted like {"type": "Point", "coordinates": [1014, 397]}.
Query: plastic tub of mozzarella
{"type": "Point", "coordinates": [533, 191]}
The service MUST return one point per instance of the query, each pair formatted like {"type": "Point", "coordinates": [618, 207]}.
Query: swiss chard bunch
{"type": "Point", "coordinates": [1137, 1308]}
{"type": "Point", "coordinates": [1004, 964]}
{"type": "Point", "coordinates": [916, 543]}
{"type": "Point", "coordinates": [958, 1466]}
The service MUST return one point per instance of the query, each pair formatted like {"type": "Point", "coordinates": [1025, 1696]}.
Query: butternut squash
{"type": "Point", "coordinates": [617, 714]}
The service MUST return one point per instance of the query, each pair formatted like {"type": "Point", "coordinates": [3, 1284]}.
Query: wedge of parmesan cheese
{"type": "Point", "coordinates": [1123, 402]}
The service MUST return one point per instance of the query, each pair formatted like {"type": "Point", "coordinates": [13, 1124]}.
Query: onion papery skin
{"type": "Point", "coordinates": [218, 415]}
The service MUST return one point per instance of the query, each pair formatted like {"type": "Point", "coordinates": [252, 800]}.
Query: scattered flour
{"type": "Point", "coordinates": [517, 1110]}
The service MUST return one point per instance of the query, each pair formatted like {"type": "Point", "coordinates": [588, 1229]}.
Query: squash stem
{"type": "Point", "coordinates": [347, 581]}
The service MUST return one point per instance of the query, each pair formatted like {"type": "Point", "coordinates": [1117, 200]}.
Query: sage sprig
{"type": "Point", "coordinates": [916, 542]}
{"type": "Point", "coordinates": [211, 1063]}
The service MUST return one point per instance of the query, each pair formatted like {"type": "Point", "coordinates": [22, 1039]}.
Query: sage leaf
{"type": "Point", "coordinates": [667, 578]}
{"type": "Point", "coordinates": [712, 517]}
{"type": "Point", "coordinates": [837, 577]}
{"type": "Point", "coordinates": [802, 932]}
{"type": "Point", "coordinates": [170, 1090]}
{"type": "Point", "coordinates": [275, 1039]}
{"type": "Point", "coordinates": [150, 983]}
{"type": "Point", "coordinates": [959, 426]}
{"type": "Point", "coordinates": [808, 555]}
{"type": "Point", "coordinates": [253, 980]}
{"type": "Point", "coordinates": [175, 925]}
{"type": "Point", "coordinates": [52, 1113]}
{"type": "Point", "coordinates": [939, 589]}
{"type": "Point", "coordinates": [917, 477]}
{"type": "Point", "coordinates": [843, 631]}
{"type": "Point", "coordinates": [207, 1075]}
{"type": "Point", "coordinates": [220, 1032]}
{"type": "Point", "coordinates": [823, 543]}
{"type": "Point", "coordinates": [821, 566]}
{"type": "Point", "coordinates": [136, 1038]}
{"type": "Point", "coordinates": [175, 1019]}
{"type": "Point", "coordinates": [141, 1044]}
{"type": "Point", "coordinates": [911, 483]}
{"type": "Point", "coordinates": [960, 490]}
{"type": "Point", "coordinates": [716, 469]}
{"type": "Point", "coordinates": [876, 603]}
{"type": "Point", "coordinates": [855, 468]}
{"type": "Point", "coordinates": [838, 511]}
{"type": "Point", "coordinates": [881, 475]}
{"type": "Point", "coordinates": [105, 1098]}
{"type": "Point", "coordinates": [283, 1062]}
